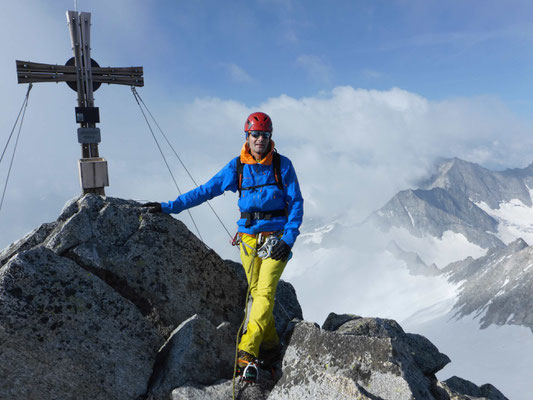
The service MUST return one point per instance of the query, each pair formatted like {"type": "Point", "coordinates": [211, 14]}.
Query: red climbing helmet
{"type": "Point", "coordinates": [258, 121]}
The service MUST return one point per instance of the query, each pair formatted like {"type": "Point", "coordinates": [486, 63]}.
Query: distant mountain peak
{"type": "Point", "coordinates": [461, 197]}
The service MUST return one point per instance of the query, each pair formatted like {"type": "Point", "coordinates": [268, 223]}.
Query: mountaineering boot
{"type": "Point", "coordinates": [270, 360]}
{"type": "Point", "coordinates": [271, 355]}
{"type": "Point", "coordinates": [246, 366]}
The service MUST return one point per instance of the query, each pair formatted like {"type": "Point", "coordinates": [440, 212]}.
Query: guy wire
{"type": "Point", "coordinates": [181, 162]}
{"type": "Point", "coordinates": [164, 159]}
{"type": "Point", "coordinates": [23, 109]}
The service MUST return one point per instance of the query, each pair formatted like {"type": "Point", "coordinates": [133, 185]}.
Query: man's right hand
{"type": "Point", "coordinates": [153, 208]}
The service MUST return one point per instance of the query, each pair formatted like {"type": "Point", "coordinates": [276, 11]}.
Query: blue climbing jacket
{"type": "Point", "coordinates": [262, 199]}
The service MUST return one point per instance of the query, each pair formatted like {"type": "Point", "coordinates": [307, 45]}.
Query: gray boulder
{"type": "Point", "coordinates": [364, 358]}
{"type": "Point", "coordinates": [460, 385]}
{"type": "Point", "coordinates": [196, 352]}
{"type": "Point", "coordinates": [334, 321]}
{"type": "Point", "coordinates": [222, 390]}
{"type": "Point", "coordinates": [327, 365]}
{"type": "Point", "coordinates": [426, 355]}
{"type": "Point", "coordinates": [66, 334]}
{"type": "Point", "coordinates": [152, 260]}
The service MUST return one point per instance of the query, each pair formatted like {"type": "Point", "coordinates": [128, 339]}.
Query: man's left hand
{"type": "Point", "coordinates": [280, 251]}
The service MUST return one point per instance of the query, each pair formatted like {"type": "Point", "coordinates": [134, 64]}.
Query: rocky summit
{"type": "Point", "coordinates": [112, 302]}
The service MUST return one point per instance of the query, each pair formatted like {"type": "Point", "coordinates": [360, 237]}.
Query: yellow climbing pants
{"type": "Point", "coordinates": [263, 277]}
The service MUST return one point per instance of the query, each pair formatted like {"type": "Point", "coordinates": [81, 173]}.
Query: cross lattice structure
{"type": "Point", "coordinates": [83, 75]}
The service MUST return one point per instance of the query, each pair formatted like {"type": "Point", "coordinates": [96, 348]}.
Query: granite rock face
{"type": "Point", "coordinates": [152, 260]}
{"type": "Point", "coordinates": [197, 351]}
{"type": "Point", "coordinates": [65, 334]}
{"type": "Point", "coordinates": [363, 358]}
{"type": "Point", "coordinates": [87, 301]}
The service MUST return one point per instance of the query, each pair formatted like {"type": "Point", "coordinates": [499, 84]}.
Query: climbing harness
{"type": "Point", "coordinates": [265, 240]}
{"type": "Point", "coordinates": [266, 249]}
{"type": "Point", "coordinates": [258, 215]}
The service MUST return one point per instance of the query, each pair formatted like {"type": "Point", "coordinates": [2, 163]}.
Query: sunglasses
{"type": "Point", "coordinates": [265, 134]}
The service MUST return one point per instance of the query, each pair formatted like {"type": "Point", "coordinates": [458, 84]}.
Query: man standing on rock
{"type": "Point", "coordinates": [271, 208]}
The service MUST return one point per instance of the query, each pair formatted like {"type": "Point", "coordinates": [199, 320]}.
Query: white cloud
{"type": "Point", "coordinates": [236, 73]}
{"type": "Point", "coordinates": [315, 67]}
{"type": "Point", "coordinates": [372, 74]}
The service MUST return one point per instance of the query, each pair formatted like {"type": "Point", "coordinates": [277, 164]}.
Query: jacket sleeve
{"type": "Point", "coordinates": [225, 179]}
{"type": "Point", "coordinates": [295, 206]}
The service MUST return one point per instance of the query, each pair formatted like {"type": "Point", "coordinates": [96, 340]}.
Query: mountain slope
{"type": "Point", "coordinates": [436, 211]}
{"type": "Point", "coordinates": [497, 287]}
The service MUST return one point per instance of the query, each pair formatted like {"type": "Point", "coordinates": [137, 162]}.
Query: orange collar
{"type": "Point", "coordinates": [247, 158]}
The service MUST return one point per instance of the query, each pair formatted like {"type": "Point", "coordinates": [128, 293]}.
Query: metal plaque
{"type": "Point", "coordinates": [89, 135]}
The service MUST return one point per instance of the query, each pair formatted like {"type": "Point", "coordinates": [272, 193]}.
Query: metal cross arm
{"type": "Point", "coordinates": [30, 72]}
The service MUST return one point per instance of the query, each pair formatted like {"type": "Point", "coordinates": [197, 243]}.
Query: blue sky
{"type": "Point", "coordinates": [254, 50]}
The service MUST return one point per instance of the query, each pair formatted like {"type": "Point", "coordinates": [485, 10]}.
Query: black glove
{"type": "Point", "coordinates": [153, 207]}
{"type": "Point", "coordinates": [280, 251]}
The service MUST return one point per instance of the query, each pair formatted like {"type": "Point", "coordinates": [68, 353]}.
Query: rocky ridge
{"type": "Point", "coordinates": [496, 287]}
{"type": "Point", "coordinates": [110, 302]}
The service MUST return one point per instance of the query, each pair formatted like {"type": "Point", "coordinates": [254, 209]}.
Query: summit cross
{"type": "Point", "coordinates": [82, 74]}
